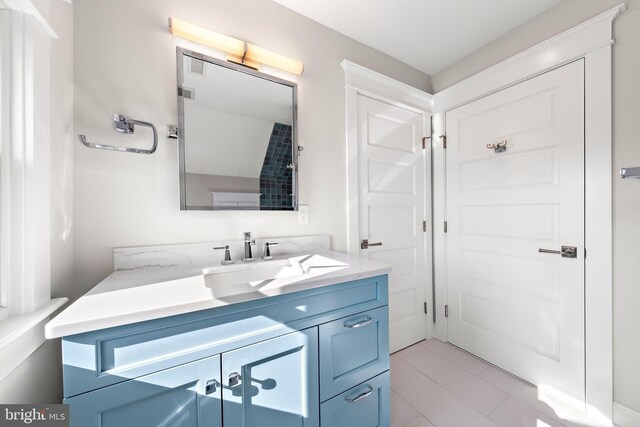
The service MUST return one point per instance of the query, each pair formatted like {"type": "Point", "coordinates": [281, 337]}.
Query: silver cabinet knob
{"type": "Point", "coordinates": [234, 379]}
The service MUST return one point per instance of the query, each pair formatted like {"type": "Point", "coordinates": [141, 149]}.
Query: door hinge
{"type": "Point", "coordinates": [424, 226]}
{"type": "Point", "coordinates": [444, 141]}
{"type": "Point", "coordinates": [446, 311]}
{"type": "Point", "coordinates": [585, 253]}
{"type": "Point", "coordinates": [425, 307]}
{"type": "Point", "coordinates": [445, 226]}
{"type": "Point", "coordinates": [424, 141]}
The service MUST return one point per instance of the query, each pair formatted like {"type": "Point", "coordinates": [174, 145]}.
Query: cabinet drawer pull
{"type": "Point", "coordinates": [359, 324]}
{"type": "Point", "coordinates": [360, 396]}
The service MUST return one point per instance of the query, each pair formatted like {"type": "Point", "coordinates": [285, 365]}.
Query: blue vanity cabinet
{"type": "Point", "coordinates": [187, 396]}
{"type": "Point", "coordinates": [301, 359]}
{"type": "Point", "coordinates": [273, 383]}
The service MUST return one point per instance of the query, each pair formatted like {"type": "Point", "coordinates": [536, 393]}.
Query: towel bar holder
{"type": "Point", "coordinates": [125, 126]}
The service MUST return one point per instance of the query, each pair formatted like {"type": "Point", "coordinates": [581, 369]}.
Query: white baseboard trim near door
{"type": "Point", "coordinates": [625, 417]}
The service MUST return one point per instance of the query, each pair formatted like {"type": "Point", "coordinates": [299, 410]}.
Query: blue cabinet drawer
{"type": "Point", "coordinates": [353, 349]}
{"type": "Point", "coordinates": [101, 358]}
{"type": "Point", "coordinates": [366, 405]}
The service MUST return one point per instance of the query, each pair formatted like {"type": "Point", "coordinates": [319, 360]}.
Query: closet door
{"type": "Point", "coordinates": [393, 185]}
{"type": "Point", "coordinates": [515, 241]}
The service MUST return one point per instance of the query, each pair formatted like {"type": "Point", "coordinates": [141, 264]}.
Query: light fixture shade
{"type": "Point", "coordinates": [195, 33]}
{"type": "Point", "coordinates": [264, 56]}
{"type": "Point", "coordinates": [236, 50]}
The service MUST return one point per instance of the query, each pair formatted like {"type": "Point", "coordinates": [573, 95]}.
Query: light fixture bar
{"type": "Point", "coordinates": [195, 33]}
{"type": "Point", "coordinates": [267, 57]}
{"type": "Point", "coordinates": [236, 50]}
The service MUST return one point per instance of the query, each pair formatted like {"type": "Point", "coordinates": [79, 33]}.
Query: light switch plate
{"type": "Point", "coordinates": [303, 214]}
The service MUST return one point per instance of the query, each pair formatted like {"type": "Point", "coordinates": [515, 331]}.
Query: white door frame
{"type": "Point", "coordinates": [592, 41]}
{"type": "Point", "coordinates": [362, 81]}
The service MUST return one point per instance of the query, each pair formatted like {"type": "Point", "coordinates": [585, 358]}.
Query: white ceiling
{"type": "Point", "coordinates": [429, 35]}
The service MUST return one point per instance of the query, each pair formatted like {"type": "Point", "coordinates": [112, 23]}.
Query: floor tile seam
{"type": "Point", "coordinates": [518, 399]}
{"type": "Point", "coordinates": [468, 403]}
{"type": "Point", "coordinates": [452, 395]}
{"type": "Point", "coordinates": [555, 418]}
{"type": "Point", "coordinates": [419, 373]}
{"type": "Point", "coordinates": [420, 414]}
{"type": "Point", "coordinates": [457, 364]}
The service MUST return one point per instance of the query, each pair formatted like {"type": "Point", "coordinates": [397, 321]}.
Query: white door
{"type": "Point", "coordinates": [510, 304]}
{"type": "Point", "coordinates": [392, 188]}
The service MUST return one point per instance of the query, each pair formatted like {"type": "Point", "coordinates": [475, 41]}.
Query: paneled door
{"type": "Point", "coordinates": [515, 240]}
{"type": "Point", "coordinates": [273, 383]}
{"type": "Point", "coordinates": [393, 184]}
{"type": "Point", "coordinates": [184, 396]}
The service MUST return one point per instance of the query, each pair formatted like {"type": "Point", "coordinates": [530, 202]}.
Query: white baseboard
{"type": "Point", "coordinates": [625, 417]}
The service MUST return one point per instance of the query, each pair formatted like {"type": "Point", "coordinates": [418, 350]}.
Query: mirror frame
{"type": "Point", "coordinates": [180, 53]}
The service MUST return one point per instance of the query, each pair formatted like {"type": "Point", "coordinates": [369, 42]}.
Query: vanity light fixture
{"type": "Point", "coordinates": [236, 50]}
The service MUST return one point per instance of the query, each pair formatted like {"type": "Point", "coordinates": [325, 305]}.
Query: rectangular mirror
{"type": "Point", "coordinates": [236, 135]}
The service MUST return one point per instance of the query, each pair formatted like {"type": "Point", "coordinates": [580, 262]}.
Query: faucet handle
{"type": "Point", "coordinates": [267, 251]}
{"type": "Point", "coordinates": [227, 254]}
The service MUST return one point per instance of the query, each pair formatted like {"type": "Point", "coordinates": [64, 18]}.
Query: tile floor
{"type": "Point", "coordinates": [437, 384]}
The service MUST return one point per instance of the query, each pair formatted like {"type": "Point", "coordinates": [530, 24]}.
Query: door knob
{"type": "Point", "coordinates": [364, 244]}
{"type": "Point", "coordinates": [565, 251]}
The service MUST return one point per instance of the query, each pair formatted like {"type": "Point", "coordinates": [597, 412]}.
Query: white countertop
{"type": "Point", "coordinates": [153, 292]}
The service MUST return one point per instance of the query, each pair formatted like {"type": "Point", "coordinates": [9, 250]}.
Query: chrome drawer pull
{"type": "Point", "coordinates": [359, 324]}
{"type": "Point", "coordinates": [360, 396]}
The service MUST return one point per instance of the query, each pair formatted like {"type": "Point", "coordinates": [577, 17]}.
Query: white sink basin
{"type": "Point", "coordinates": [262, 276]}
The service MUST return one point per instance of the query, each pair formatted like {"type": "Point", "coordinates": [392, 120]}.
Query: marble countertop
{"type": "Point", "coordinates": [154, 291]}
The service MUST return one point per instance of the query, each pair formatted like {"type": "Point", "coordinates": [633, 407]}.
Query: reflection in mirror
{"type": "Point", "coordinates": [237, 137]}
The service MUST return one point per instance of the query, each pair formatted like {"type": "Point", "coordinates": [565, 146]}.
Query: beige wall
{"type": "Point", "coordinates": [626, 151]}
{"type": "Point", "coordinates": [39, 378]}
{"type": "Point", "coordinates": [125, 61]}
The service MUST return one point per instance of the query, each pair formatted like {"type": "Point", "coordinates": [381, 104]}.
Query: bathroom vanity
{"type": "Point", "coordinates": [195, 344]}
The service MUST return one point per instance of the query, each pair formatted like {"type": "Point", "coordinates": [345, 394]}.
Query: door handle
{"type": "Point", "coordinates": [364, 244]}
{"type": "Point", "coordinates": [565, 251]}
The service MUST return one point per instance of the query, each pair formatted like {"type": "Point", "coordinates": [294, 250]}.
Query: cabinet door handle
{"type": "Point", "coordinates": [360, 396]}
{"type": "Point", "coordinates": [234, 379]}
{"type": "Point", "coordinates": [211, 386]}
{"type": "Point", "coordinates": [359, 324]}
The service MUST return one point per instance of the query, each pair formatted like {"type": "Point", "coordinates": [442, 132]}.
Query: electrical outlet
{"type": "Point", "coordinates": [303, 214]}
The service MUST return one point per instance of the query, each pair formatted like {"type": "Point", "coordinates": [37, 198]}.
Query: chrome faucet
{"type": "Point", "coordinates": [248, 242]}
{"type": "Point", "coordinates": [266, 253]}
{"type": "Point", "coordinates": [227, 254]}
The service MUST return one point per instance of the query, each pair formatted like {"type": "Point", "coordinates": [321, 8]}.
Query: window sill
{"type": "Point", "coordinates": [22, 334]}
